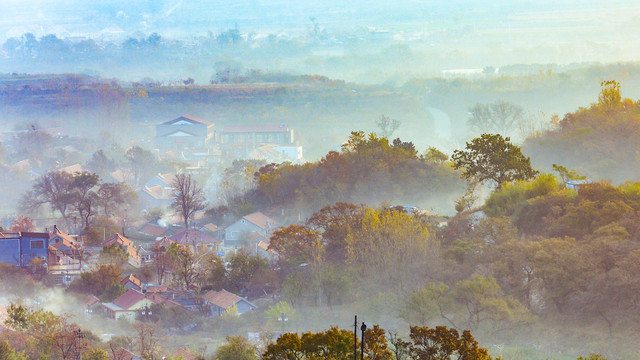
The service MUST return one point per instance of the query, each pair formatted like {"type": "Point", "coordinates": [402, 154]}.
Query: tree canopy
{"type": "Point", "coordinates": [494, 158]}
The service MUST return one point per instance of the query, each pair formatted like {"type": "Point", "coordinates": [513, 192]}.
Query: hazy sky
{"type": "Point", "coordinates": [186, 17]}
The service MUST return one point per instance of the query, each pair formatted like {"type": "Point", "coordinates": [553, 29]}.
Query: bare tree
{"type": "Point", "coordinates": [500, 117]}
{"type": "Point", "coordinates": [188, 197]}
{"type": "Point", "coordinates": [147, 340]}
{"type": "Point", "coordinates": [387, 125]}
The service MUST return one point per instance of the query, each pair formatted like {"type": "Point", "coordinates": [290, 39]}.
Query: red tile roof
{"type": "Point", "coordinates": [128, 299]}
{"type": "Point", "coordinates": [123, 354]}
{"type": "Point", "coordinates": [223, 299]}
{"type": "Point", "coordinates": [261, 220]}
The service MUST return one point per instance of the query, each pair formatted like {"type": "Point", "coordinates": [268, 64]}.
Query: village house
{"type": "Point", "coordinates": [196, 240]}
{"type": "Point", "coordinates": [241, 232]}
{"type": "Point", "coordinates": [132, 282]}
{"type": "Point", "coordinates": [184, 132]}
{"type": "Point", "coordinates": [21, 248]}
{"type": "Point", "coordinates": [127, 306]}
{"type": "Point", "coordinates": [253, 136]}
{"type": "Point", "coordinates": [64, 249]}
{"type": "Point", "coordinates": [133, 252]}
{"type": "Point", "coordinates": [222, 301]}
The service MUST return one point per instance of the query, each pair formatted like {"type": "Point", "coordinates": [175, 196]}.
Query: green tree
{"type": "Point", "coordinates": [114, 255]}
{"type": "Point", "coordinates": [423, 305]}
{"type": "Point", "coordinates": [8, 353]}
{"type": "Point", "coordinates": [96, 354]}
{"type": "Point", "coordinates": [482, 300]}
{"type": "Point", "coordinates": [492, 157]}
{"type": "Point", "coordinates": [236, 348]}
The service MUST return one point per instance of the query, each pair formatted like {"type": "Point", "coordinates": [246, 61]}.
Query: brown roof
{"type": "Point", "coordinates": [255, 128]}
{"type": "Point", "coordinates": [133, 279]}
{"type": "Point", "coordinates": [185, 354]}
{"type": "Point", "coordinates": [153, 230]}
{"type": "Point", "coordinates": [123, 354]}
{"type": "Point", "coordinates": [90, 301]}
{"type": "Point", "coordinates": [156, 289]}
{"type": "Point", "coordinates": [128, 299]}
{"type": "Point", "coordinates": [223, 299]}
{"type": "Point", "coordinates": [263, 245]}
{"type": "Point", "coordinates": [57, 232]}
{"type": "Point", "coordinates": [164, 242]}
{"type": "Point", "coordinates": [260, 219]}
{"type": "Point", "coordinates": [193, 236]}
{"type": "Point", "coordinates": [125, 243]}
{"type": "Point", "coordinates": [191, 118]}
{"type": "Point", "coordinates": [157, 192]}
{"type": "Point", "coordinates": [211, 227]}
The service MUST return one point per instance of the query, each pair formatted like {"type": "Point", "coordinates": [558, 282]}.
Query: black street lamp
{"type": "Point", "coordinates": [283, 319]}
{"type": "Point", "coordinates": [146, 312]}
{"type": "Point", "coordinates": [363, 327]}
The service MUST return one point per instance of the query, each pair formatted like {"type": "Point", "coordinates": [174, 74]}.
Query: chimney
{"type": "Point", "coordinates": [55, 227]}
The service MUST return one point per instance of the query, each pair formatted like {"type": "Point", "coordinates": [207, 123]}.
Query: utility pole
{"type": "Point", "coordinates": [355, 338]}
{"type": "Point", "coordinates": [363, 328]}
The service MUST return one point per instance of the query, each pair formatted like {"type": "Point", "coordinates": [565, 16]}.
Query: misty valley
{"type": "Point", "coordinates": [288, 181]}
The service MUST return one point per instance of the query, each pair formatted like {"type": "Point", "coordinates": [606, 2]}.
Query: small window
{"type": "Point", "coordinates": [37, 244]}
{"type": "Point", "coordinates": [233, 234]}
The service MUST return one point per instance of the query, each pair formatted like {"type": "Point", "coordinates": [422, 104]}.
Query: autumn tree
{"type": "Point", "coordinates": [147, 339]}
{"type": "Point", "coordinates": [390, 248]}
{"type": "Point", "coordinates": [494, 158]}
{"type": "Point", "coordinates": [236, 348]}
{"type": "Point", "coordinates": [22, 224]}
{"type": "Point", "coordinates": [114, 255]}
{"type": "Point", "coordinates": [51, 333]}
{"type": "Point", "coordinates": [185, 265]}
{"type": "Point", "coordinates": [188, 197]}
{"type": "Point", "coordinates": [442, 343]}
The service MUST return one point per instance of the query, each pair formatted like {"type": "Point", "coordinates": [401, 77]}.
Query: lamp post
{"type": "Point", "coordinates": [282, 318]}
{"type": "Point", "coordinates": [363, 327]}
{"type": "Point", "coordinates": [146, 312]}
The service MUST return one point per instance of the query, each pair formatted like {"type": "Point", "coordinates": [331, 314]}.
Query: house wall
{"type": "Point", "coordinates": [274, 137]}
{"type": "Point", "coordinates": [234, 232]}
{"type": "Point", "coordinates": [33, 247]}
{"type": "Point", "coordinates": [243, 307]}
{"type": "Point", "coordinates": [10, 251]}
{"type": "Point", "coordinates": [195, 128]}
